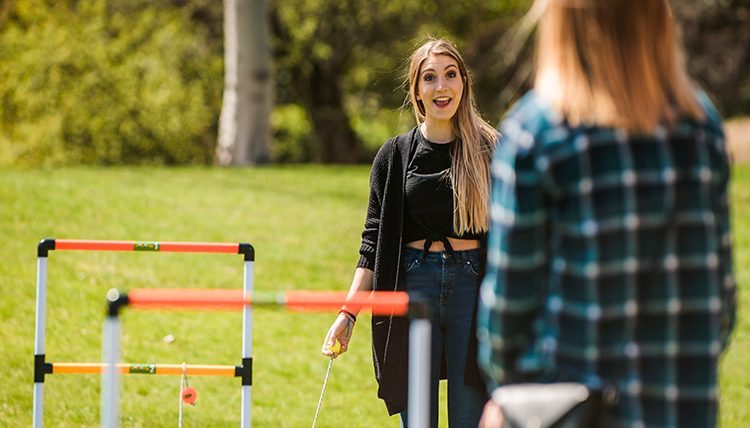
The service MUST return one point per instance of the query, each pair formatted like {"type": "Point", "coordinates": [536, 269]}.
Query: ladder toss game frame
{"type": "Point", "coordinates": [43, 368]}
{"type": "Point", "coordinates": [415, 306]}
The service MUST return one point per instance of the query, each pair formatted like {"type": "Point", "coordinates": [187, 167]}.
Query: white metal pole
{"type": "Point", "coordinates": [247, 341]}
{"type": "Point", "coordinates": [109, 414]}
{"type": "Point", "coordinates": [38, 404]}
{"type": "Point", "coordinates": [419, 373]}
{"type": "Point", "coordinates": [39, 333]}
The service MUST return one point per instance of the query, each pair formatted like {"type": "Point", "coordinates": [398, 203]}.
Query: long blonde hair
{"type": "Point", "coordinates": [471, 153]}
{"type": "Point", "coordinates": [614, 63]}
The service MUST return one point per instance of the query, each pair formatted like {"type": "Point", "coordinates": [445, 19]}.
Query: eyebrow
{"type": "Point", "coordinates": [447, 67]}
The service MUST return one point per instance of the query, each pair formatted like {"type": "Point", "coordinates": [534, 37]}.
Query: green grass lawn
{"type": "Point", "coordinates": [305, 224]}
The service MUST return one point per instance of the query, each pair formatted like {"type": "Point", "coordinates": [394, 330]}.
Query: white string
{"type": "Point", "coordinates": [182, 379]}
{"type": "Point", "coordinates": [322, 392]}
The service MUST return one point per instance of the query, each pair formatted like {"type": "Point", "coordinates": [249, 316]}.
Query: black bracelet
{"type": "Point", "coordinates": [349, 314]}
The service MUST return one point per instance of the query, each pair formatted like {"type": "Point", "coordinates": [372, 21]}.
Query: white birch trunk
{"type": "Point", "coordinates": [244, 124]}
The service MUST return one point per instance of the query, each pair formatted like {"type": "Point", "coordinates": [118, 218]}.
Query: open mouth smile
{"type": "Point", "coordinates": [442, 102]}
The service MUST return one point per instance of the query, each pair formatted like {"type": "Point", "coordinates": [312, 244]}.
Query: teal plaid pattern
{"type": "Point", "coordinates": [574, 290]}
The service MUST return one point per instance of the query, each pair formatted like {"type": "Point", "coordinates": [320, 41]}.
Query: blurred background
{"type": "Point", "coordinates": [134, 82]}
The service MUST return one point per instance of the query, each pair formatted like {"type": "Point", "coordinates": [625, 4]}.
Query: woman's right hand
{"type": "Point", "coordinates": [492, 416]}
{"type": "Point", "coordinates": [340, 330]}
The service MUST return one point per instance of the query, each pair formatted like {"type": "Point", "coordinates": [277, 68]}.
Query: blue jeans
{"type": "Point", "coordinates": [452, 287]}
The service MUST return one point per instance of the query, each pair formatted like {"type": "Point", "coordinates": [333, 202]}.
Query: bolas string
{"type": "Point", "coordinates": [325, 382]}
{"type": "Point", "coordinates": [323, 391]}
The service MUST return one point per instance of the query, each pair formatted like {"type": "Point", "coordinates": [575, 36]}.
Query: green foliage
{"type": "Point", "coordinates": [95, 82]}
{"type": "Point", "coordinates": [140, 81]}
{"type": "Point", "coordinates": [293, 140]}
{"type": "Point", "coordinates": [375, 125]}
{"type": "Point", "coordinates": [351, 56]}
{"type": "Point", "coordinates": [108, 82]}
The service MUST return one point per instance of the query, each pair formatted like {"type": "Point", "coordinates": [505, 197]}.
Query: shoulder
{"type": "Point", "coordinates": [394, 146]}
{"type": "Point", "coordinates": [713, 117]}
{"type": "Point", "coordinates": [390, 157]}
{"type": "Point", "coordinates": [533, 112]}
{"type": "Point", "coordinates": [712, 126]}
{"type": "Point", "coordinates": [531, 122]}
{"type": "Point", "coordinates": [403, 141]}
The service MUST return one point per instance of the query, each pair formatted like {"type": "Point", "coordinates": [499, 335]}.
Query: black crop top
{"type": "Point", "coordinates": [428, 208]}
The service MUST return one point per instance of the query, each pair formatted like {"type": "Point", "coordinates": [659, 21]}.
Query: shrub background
{"type": "Point", "coordinates": [91, 84]}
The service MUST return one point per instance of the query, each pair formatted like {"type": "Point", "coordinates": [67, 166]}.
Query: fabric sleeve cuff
{"type": "Point", "coordinates": [367, 262]}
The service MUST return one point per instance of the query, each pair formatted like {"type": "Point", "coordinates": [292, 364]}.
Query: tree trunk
{"type": "Point", "coordinates": [325, 106]}
{"type": "Point", "coordinates": [317, 82]}
{"type": "Point", "coordinates": [244, 124]}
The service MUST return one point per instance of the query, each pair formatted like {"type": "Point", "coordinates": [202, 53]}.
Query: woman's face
{"type": "Point", "coordinates": [440, 88]}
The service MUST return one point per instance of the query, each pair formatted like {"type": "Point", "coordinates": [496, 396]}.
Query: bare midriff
{"type": "Point", "coordinates": [457, 244]}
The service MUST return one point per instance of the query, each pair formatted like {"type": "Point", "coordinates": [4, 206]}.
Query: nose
{"type": "Point", "coordinates": [441, 84]}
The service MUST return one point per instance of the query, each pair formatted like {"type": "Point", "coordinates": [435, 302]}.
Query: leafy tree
{"type": "Point", "coordinates": [313, 45]}
{"type": "Point", "coordinates": [341, 59]}
{"type": "Point", "coordinates": [140, 81]}
{"type": "Point", "coordinates": [95, 82]}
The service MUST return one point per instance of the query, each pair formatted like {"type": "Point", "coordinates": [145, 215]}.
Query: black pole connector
{"type": "Point", "coordinates": [248, 251]}
{"type": "Point", "coordinates": [116, 302]}
{"type": "Point", "coordinates": [245, 371]}
{"type": "Point", "coordinates": [41, 368]}
{"type": "Point", "coordinates": [419, 306]}
{"type": "Point", "coordinates": [45, 246]}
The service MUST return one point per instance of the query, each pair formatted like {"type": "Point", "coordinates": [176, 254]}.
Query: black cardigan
{"type": "Point", "coordinates": [381, 253]}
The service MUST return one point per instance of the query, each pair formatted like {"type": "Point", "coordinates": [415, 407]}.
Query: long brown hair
{"type": "Point", "coordinates": [613, 63]}
{"type": "Point", "coordinates": [470, 170]}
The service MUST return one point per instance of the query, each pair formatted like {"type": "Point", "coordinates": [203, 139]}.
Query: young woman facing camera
{"type": "Point", "coordinates": [426, 227]}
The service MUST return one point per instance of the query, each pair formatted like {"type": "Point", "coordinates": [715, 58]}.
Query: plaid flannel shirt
{"type": "Point", "coordinates": [574, 290]}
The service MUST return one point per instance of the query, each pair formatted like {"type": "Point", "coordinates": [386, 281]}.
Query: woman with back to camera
{"type": "Point", "coordinates": [609, 257]}
{"type": "Point", "coordinates": [427, 220]}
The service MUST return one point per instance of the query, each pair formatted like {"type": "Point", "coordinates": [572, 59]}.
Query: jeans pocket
{"type": "Point", "coordinates": [472, 266]}
{"type": "Point", "coordinates": [411, 265]}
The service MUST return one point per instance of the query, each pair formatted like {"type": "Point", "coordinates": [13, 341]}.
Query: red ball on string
{"type": "Point", "coordinates": [189, 395]}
